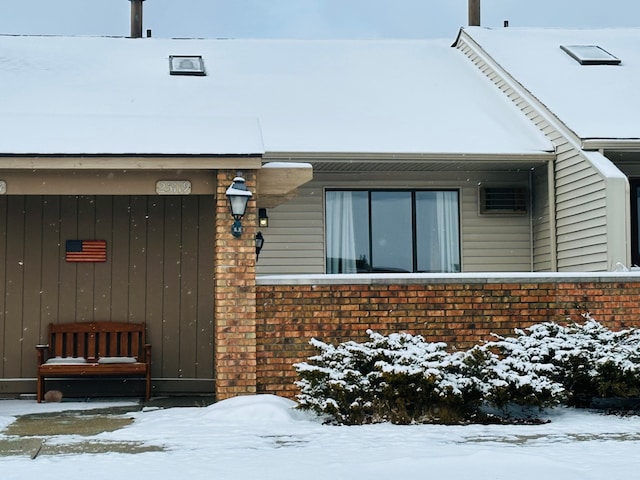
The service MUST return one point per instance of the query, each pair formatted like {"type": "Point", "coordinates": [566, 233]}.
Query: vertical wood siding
{"type": "Point", "coordinates": [159, 270]}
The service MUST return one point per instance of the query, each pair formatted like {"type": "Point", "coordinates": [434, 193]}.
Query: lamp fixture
{"type": "Point", "coordinates": [238, 196]}
{"type": "Point", "coordinates": [259, 244]}
{"type": "Point", "coordinates": [263, 218]}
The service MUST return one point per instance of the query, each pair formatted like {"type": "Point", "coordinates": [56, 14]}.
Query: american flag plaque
{"type": "Point", "coordinates": [86, 251]}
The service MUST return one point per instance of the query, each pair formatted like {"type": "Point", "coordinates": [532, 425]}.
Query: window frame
{"type": "Point", "coordinates": [175, 67]}
{"type": "Point", "coordinates": [590, 54]}
{"type": "Point", "coordinates": [414, 230]}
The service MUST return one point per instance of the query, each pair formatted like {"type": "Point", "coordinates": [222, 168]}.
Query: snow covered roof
{"type": "Point", "coordinates": [99, 95]}
{"type": "Point", "coordinates": [595, 101]}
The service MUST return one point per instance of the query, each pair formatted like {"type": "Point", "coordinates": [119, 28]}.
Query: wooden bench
{"type": "Point", "coordinates": [94, 349]}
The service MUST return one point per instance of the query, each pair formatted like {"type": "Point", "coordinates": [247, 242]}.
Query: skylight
{"type": "Point", "coordinates": [186, 65]}
{"type": "Point", "coordinates": [590, 55]}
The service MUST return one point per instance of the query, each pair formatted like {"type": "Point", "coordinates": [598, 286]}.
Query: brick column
{"type": "Point", "coordinates": [235, 294]}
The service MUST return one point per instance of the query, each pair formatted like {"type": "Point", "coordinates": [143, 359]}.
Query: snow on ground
{"type": "Point", "coordinates": [263, 437]}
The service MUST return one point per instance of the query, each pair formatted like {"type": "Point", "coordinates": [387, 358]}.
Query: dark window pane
{"type": "Point", "coordinates": [361, 230]}
{"type": "Point", "coordinates": [391, 231]}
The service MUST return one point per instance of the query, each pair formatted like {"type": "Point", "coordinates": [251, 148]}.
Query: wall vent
{"type": "Point", "coordinates": [503, 200]}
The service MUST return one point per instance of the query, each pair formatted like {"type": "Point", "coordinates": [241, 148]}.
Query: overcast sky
{"type": "Point", "coordinates": [305, 18]}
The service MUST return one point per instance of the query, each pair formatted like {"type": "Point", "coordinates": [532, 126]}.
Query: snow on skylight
{"type": "Point", "coordinates": [590, 55]}
{"type": "Point", "coordinates": [186, 65]}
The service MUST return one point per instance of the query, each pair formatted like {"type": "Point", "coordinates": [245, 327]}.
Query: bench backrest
{"type": "Point", "coordinates": [97, 339]}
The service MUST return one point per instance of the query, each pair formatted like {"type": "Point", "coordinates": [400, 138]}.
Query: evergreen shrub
{"type": "Point", "coordinates": [587, 359]}
{"type": "Point", "coordinates": [401, 378]}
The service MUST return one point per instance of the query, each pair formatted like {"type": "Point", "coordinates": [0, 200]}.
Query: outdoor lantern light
{"type": "Point", "coordinates": [259, 244]}
{"type": "Point", "coordinates": [238, 196]}
{"type": "Point", "coordinates": [263, 219]}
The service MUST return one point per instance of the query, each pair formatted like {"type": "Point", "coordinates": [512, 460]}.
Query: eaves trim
{"type": "Point", "coordinates": [377, 157]}
{"type": "Point", "coordinates": [129, 162]}
{"type": "Point", "coordinates": [624, 144]}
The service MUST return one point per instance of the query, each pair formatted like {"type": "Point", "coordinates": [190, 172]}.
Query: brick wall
{"type": "Point", "coordinates": [235, 307]}
{"type": "Point", "coordinates": [458, 310]}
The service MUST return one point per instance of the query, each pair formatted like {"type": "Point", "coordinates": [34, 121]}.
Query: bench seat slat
{"type": "Point", "coordinates": [65, 370]}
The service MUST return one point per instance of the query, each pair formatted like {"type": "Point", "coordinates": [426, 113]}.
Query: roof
{"type": "Point", "coordinates": [105, 95]}
{"type": "Point", "coordinates": [594, 101]}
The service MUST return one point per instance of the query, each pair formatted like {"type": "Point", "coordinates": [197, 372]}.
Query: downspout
{"type": "Point", "coordinates": [531, 232]}
{"type": "Point", "coordinates": [551, 194]}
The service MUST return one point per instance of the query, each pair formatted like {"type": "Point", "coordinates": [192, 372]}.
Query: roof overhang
{"type": "Point", "coordinates": [143, 175]}
{"type": "Point", "coordinates": [406, 162]}
{"type": "Point", "coordinates": [129, 162]}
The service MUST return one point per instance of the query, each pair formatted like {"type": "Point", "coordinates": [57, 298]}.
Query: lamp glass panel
{"type": "Point", "coordinates": [238, 204]}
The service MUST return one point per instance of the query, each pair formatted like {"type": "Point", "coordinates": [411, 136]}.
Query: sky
{"type": "Point", "coordinates": [307, 19]}
{"type": "Point", "coordinates": [261, 437]}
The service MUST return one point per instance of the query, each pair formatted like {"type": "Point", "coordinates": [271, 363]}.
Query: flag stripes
{"type": "Point", "coordinates": [86, 251]}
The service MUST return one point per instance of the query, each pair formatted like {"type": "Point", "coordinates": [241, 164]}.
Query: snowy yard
{"type": "Point", "coordinates": [262, 437]}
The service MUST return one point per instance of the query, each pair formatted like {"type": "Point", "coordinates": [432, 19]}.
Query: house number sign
{"type": "Point", "coordinates": [173, 187]}
{"type": "Point", "coordinates": [3, 187]}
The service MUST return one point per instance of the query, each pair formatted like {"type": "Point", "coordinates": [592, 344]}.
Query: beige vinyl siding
{"type": "Point", "coordinates": [159, 270]}
{"type": "Point", "coordinates": [294, 240]}
{"type": "Point", "coordinates": [496, 242]}
{"type": "Point", "coordinates": [581, 217]}
{"type": "Point", "coordinates": [591, 206]}
{"type": "Point", "coordinates": [542, 252]}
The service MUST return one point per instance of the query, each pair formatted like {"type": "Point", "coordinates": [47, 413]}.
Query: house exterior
{"type": "Point", "coordinates": [583, 217]}
{"type": "Point", "coordinates": [383, 161]}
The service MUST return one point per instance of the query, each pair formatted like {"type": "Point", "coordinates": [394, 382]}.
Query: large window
{"type": "Point", "coordinates": [392, 231]}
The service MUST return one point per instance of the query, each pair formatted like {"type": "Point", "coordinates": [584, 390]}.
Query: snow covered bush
{"type": "Point", "coordinates": [401, 378]}
{"type": "Point", "coordinates": [588, 359]}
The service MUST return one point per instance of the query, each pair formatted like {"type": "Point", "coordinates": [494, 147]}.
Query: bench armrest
{"type": "Point", "coordinates": [40, 351]}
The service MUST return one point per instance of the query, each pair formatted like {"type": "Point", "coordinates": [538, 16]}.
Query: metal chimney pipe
{"type": "Point", "coordinates": [136, 18]}
{"type": "Point", "coordinates": [474, 13]}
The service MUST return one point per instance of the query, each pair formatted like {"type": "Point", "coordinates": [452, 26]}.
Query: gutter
{"type": "Point", "coordinates": [374, 157]}
{"type": "Point", "coordinates": [611, 144]}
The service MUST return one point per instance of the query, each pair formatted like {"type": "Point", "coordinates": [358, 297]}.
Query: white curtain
{"type": "Point", "coordinates": [447, 221]}
{"type": "Point", "coordinates": [341, 248]}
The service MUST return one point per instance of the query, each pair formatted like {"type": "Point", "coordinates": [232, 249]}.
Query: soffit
{"type": "Point", "coordinates": [349, 163]}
